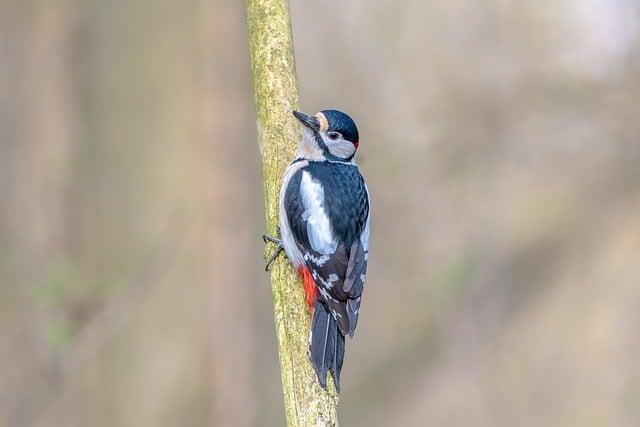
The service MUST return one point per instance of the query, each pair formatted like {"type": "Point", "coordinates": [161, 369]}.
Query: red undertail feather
{"type": "Point", "coordinates": [310, 288]}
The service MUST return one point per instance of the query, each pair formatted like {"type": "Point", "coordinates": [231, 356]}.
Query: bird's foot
{"type": "Point", "coordinates": [276, 252]}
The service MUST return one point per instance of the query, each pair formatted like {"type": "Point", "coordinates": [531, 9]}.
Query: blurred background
{"type": "Point", "coordinates": [500, 141]}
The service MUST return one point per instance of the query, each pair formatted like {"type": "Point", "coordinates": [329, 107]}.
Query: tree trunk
{"type": "Point", "coordinates": [275, 87]}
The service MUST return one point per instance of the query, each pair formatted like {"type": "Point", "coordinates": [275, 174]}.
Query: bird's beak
{"type": "Point", "coordinates": [308, 121]}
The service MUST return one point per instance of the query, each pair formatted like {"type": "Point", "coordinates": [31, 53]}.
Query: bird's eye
{"type": "Point", "coordinates": [333, 135]}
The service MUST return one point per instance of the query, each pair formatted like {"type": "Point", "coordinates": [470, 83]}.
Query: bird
{"type": "Point", "coordinates": [324, 227]}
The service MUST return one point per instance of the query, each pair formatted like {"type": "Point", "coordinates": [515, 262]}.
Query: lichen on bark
{"type": "Point", "coordinates": [276, 96]}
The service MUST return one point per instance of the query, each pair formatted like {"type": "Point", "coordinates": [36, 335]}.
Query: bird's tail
{"type": "Point", "coordinates": [326, 345]}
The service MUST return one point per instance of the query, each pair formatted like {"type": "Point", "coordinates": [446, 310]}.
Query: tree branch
{"type": "Point", "coordinates": [276, 93]}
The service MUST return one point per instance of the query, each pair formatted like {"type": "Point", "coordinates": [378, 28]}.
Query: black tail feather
{"type": "Point", "coordinates": [326, 345]}
{"type": "Point", "coordinates": [338, 359]}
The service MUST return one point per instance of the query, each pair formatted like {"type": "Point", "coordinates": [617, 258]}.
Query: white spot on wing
{"type": "Point", "coordinates": [318, 224]}
{"type": "Point", "coordinates": [324, 293]}
{"type": "Point", "coordinates": [328, 284]}
{"type": "Point", "coordinates": [319, 261]}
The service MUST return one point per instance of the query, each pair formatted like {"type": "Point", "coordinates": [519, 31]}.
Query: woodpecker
{"type": "Point", "coordinates": [324, 230]}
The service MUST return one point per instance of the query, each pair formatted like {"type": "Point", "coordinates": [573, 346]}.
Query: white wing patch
{"type": "Point", "coordinates": [318, 224]}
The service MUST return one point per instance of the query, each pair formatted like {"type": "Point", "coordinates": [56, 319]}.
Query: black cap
{"type": "Point", "coordinates": [341, 122]}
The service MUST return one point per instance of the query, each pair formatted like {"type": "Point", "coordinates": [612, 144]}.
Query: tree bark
{"type": "Point", "coordinates": [276, 94]}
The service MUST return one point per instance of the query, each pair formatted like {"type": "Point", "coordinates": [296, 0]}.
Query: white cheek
{"type": "Point", "coordinates": [341, 148]}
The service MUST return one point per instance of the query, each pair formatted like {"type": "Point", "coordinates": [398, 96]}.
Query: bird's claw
{"type": "Point", "coordinates": [269, 239]}
{"type": "Point", "coordinates": [273, 256]}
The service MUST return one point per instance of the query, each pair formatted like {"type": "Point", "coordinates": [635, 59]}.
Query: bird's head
{"type": "Point", "coordinates": [331, 134]}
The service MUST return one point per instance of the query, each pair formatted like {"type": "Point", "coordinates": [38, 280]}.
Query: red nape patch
{"type": "Point", "coordinates": [357, 144]}
{"type": "Point", "coordinates": [310, 288]}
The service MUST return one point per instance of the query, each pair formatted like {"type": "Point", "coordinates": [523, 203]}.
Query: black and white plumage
{"type": "Point", "coordinates": [324, 225]}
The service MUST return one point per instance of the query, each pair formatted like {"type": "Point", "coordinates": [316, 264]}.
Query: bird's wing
{"type": "Point", "coordinates": [356, 274]}
{"type": "Point", "coordinates": [328, 212]}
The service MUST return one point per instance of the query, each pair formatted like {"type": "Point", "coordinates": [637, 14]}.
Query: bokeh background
{"type": "Point", "coordinates": [500, 141]}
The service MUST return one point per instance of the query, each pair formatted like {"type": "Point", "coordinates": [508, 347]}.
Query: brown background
{"type": "Point", "coordinates": [500, 141]}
